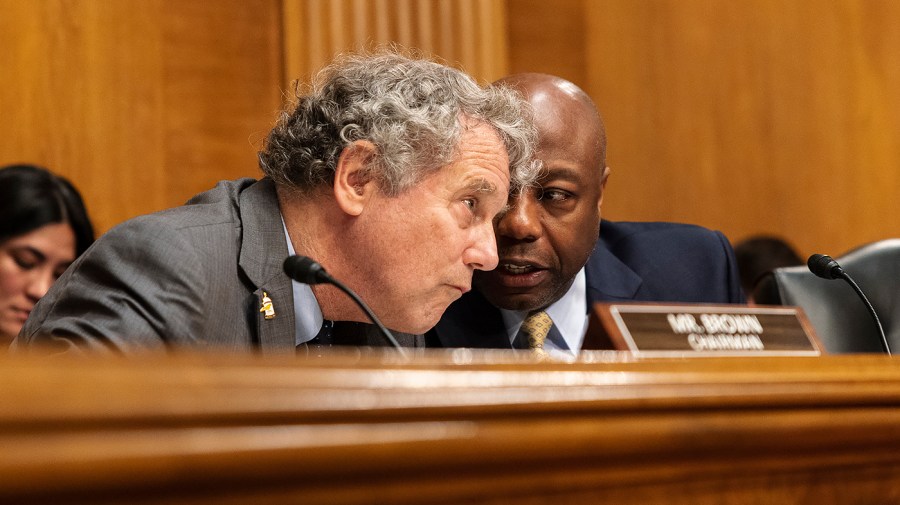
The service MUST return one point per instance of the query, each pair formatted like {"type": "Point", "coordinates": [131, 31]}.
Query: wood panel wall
{"type": "Point", "coordinates": [749, 117]}
{"type": "Point", "coordinates": [142, 103]}
{"type": "Point", "coordinates": [470, 34]}
{"type": "Point", "coordinates": [760, 116]}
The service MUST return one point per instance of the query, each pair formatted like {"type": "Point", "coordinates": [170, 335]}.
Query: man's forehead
{"type": "Point", "coordinates": [478, 132]}
{"type": "Point", "coordinates": [481, 148]}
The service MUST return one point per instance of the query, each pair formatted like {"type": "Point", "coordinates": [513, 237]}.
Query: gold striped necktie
{"type": "Point", "coordinates": [536, 327]}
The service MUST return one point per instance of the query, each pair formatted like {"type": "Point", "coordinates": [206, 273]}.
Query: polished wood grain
{"type": "Point", "coordinates": [749, 117]}
{"type": "Point", "coordinates": [455, 427]}
{"type": "Point", "coordinates": [757, 116]}
{"type": "Point", "coordinates": [470, 34]}
{"type": "Point", "coordinates": [550, 38]}
{"type": "Point", "coordinates": [141, 103]}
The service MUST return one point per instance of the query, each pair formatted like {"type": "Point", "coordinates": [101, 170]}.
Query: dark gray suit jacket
{"type": "Point", "coordinates": [192, 276]}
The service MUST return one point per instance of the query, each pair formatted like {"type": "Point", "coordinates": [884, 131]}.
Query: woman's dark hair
{"type": "Point", "coordinates": [761, 254]}
{"type": "Point", "coordinates": [31, 197]}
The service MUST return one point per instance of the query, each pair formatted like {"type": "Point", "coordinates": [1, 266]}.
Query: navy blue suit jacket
{"type": "Point", "coordinates": [650, 262]}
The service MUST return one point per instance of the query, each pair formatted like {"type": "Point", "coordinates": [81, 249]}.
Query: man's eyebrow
{"type": "Point", "coordinates": [481, 186]}
{"type": "Point", "coordinates": [563, 173]}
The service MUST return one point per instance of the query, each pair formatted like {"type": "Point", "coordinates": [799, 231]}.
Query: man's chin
{"type": "Point", "coordinates": [414, 325]}
{"type": "Point", "coordinates": [516, 301]}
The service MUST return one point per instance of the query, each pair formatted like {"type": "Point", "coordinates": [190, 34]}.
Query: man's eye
{"type": "Point", "coordinates": [470, 203]}
{"type": "Point", "coordinates": [555, 195]}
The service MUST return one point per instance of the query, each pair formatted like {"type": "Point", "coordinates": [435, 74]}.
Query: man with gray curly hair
{"type": "Point", "coordinates": [389, 172]}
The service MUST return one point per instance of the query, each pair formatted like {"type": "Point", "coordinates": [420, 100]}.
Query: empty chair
{"type": "Point", "coordinates": [840, 318]}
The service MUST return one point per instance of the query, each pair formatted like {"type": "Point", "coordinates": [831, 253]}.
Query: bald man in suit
{"type": "Point", "coordinates": [558, 256]}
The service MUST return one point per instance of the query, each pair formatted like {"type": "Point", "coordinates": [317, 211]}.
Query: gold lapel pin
{"type": "Point", "coordinates": [267, 306]}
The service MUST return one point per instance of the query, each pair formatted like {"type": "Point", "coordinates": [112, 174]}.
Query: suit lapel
{"type": "Point", "coordinates": [263, 250]}
{"type": "Point", "coordinates": [608, 278]}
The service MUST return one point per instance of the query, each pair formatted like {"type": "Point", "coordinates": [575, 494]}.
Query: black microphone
{"type": "Point", "coordinates": [309, 271]}
{"type": "Point", "coordinates": [306, 270]}
{"type": "Point", "coordinates": [826, 267]}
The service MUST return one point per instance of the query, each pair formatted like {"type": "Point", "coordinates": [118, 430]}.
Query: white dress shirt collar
{"type": "Point", "coordinates": [307, 314]}
{"type": "Point", "coordinates": [569, 314]}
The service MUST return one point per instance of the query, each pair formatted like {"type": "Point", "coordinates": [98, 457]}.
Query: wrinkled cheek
{"type": "Point", "coordinates": [435, 310]}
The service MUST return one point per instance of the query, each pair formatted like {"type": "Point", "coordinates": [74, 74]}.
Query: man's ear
{"type": "Point", "coordinates": [603, 179]}
{"type": "Point", "coordinates": [353, 183]}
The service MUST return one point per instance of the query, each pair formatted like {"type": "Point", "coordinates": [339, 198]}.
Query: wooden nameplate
{"type": "Point", "coordinates": [682, 330]}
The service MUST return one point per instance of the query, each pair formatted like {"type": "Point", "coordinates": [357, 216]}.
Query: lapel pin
{"type": "Point", "coordinates": [267, 307]}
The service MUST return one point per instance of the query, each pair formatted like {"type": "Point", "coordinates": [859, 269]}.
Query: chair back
{"type": "Point", "coordinates": [840, 318]}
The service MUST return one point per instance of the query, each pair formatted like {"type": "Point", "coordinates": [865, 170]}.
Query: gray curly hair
{"type": "Point", "coordinates": [410, 109]}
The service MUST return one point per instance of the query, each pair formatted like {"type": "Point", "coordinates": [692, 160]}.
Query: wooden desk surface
{"type": "Point", "coordinates": [450, 427]}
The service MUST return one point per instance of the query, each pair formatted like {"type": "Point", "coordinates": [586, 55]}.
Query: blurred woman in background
{"type": "Point", "coordinates": [43, 228]}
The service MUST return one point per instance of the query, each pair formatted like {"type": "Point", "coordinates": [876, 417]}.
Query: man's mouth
{"type": "Point", "coordinates": [519, 266]}
{"type": "Point", "coordinates": [463, 288]}
{"type": "Point", "coordinates": [517, 269]}
{"type": "Point", "coordinates": [519, 274]}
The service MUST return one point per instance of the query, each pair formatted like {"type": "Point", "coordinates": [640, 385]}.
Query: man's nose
{"type": "Point", "coordinates": [482, 255]}
{"type": "Point", "coordinates": [522, 220]}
